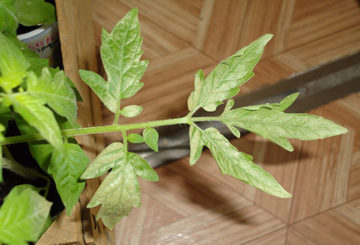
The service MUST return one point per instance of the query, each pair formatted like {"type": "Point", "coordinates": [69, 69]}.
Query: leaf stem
{"type": "Point", "coordinates": [116, 117]}
{"type": "Point", "coordinates": [123, 132]}
{"type": "Point", "coordinates": [109, 128]}
{"type": "Point", "coordinates": [28, 173]}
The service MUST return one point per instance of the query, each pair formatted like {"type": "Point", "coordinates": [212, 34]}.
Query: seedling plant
{"type": "Point", "coordinates": [43, 103]}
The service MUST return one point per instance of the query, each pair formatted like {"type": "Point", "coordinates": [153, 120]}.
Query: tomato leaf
{"type": "Point", "coordinates": [223, 82]}
{"type": "Point", "coordinates": [151, 138]}
{"type": "Point", "coordinates": [273, 124]}
{"type": "Point", "coordinates": [32, 110]}
{"type": "Point", "coordinates": [56, 92]}
{"type": "Point", "coordinates": [66, 168]}
{"type": "Point", "coordinates": [120, 54]}
{"type": "Point", "coordinates": [23, 216]}
{"type": "Point", "coordinates": [13, 64]}
{"type": "Point", "coordinates": [234, 163]}
{"type": "Point", "coordinates": [135, 138]}
{"type": "Point", "coordinates": [117, 194]}
{"type": "Point", "coordinates": [110, 157]}
{"type": "Point", "coordinates": [142, 167]}
{"type": "Point", "coordinates": [131, 111]}
{"type": "Point", "coordinates": [34, 12]}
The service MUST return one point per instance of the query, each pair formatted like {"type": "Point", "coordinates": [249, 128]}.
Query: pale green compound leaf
{"type": "Point", "coordinates": [281, 106]}
{"type": "Point", "coordinates": [142, 167]}
{"type": "Point", "coordinates": [34, 12]}
{"type": "Point", "coordinates": [196, 144]}
{"type": "Point", "coordinates": [277, 126]}
{"type": "Point", "coordinates": [112, 156]}
{"type": "Point", "coordinates": [234, 130]}
{"type": "Point", "coordinates": [66, 168]}
{"type": "Point", "coordinates": [13, 64]}
{"type": "Point", "coordinates": [118, 194]}
{"type": "Point", "coordinates": [135, 138]}
{"type": "Point", "coordinates": [54, 91]}
{"type": "Point", "coordinates": [238, 164]}
{"type": "Point", "coordinates": [131, 111]}
{"type": "Point", "coordinates": [120, 54]}
{"type": "Point", "coordinates": [23, 215]}
{"type": "Point", "coordinates": [100, 87]}
{"type": "Point", "coordinates": [32, 110]}
{"type": "Point", "coordinates": [151, 138]}
{"type": "Point", "coordinates": [223, 82]}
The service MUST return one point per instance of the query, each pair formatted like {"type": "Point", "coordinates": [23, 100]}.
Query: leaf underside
{"type": "Point", "coordinates": [223, 82]}
{"type": "Point", "coordinates": [120, 53]}
{"type": "Point", "coordinates": [120, 190]}
{"type": "Point", "coordinates": [232, 162]}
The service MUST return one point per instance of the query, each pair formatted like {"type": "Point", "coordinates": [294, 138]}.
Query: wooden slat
{"type": "Point", "coordinates": [229, 223]}
{"type": "Point", "coordinates": [79, 52]}
{"type": "Point", "coordinates": [157, 41]}
{"type": "Point", "coordinates": [296, 238]}
{"type": "Point", "coordinates": [322, 176]}
{"type": "Point", "coordinates": [273, 238]}
{"type": "Point", "coordinates": [177, 17]}
{"type": "Point", "coordinates": [313, 20]}
{"type": "Point", "coordinates": [338, 226]}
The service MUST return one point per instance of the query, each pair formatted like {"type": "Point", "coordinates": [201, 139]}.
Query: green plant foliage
{"type": "Point", "coordinates": [234, 163]}
{"type": "Point", "coordinates": [223, 82]}
{"type": "Point", "coordinates": [277, 126]}
{"type": "Point", "coordinates": [13, 64]}
{"type": "Point", "coordinates": [66, 168]}
{"type": "Point", "coordinates": [24, 216]}
{"type": "Point", "coordinates": [281, 106]}
{"type": "Point", "coordinates": [151, 138]}
{"type": "Point", "coordinates": [1, 175]}
{"type": "Point", "coordinates": [25, 12]}
{"type": "Point", "coordinates": [113, 155]}
{"type": "Point", "coordinates": [120, 54]}
{"type": "Point", "coordinates": [42, 99]}
{"type": "Point", "coordinates": [119, 192]}
{"type": "Point", "coordinates": [33, 12]}
{"type": "Point", "coordinates": [142, 167]}
{"type": "Point", "coordinates": [34, 112]}
{"type": "Point", "coordinates": [135, 138]}
{"type": "Point", "coordinates": [8, 22]}
{"type": "Point", "coordinates": [54, 91]}
{"type": "Point", "coordinates": [131, 111]}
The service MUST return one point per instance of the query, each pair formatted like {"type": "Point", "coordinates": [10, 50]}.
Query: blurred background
{"type": "Point", "coordinates": [198, 205]}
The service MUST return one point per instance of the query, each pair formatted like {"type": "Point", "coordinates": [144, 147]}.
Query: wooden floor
{"type": "Point", "coordinates": [196, 205]}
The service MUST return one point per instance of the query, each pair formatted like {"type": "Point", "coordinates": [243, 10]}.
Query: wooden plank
{"type": "Point", "coordinates": [157, 41]}
{"type": "Point", "coordinates": [314, 20]}
{"type": "Point", "coordinates": [273, 238]}
{"type": "Point", "coordinates": [229, 223]}
{"type": "Point", "coordinates": [323, 171]}
{"type": "Point", "coordinates": [79, 52]}
{"type": "Point", "coordinates": [283, 166]}
{"type": "Point", "coordinates": [178, 17]}
{"type": "Point", "coordinates": [296, 238]}
{"type": "Point", "coordinates": [338, 226]}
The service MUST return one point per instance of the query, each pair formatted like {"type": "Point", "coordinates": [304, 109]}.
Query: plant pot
{"type": "Point", "coordinates": [44, 40]}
